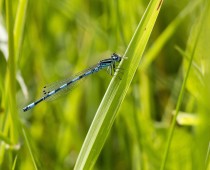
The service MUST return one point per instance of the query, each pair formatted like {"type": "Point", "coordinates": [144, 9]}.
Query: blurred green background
{"type": "Point", "coordinates": [60, 38]}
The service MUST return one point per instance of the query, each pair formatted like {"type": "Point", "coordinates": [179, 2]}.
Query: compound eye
{"type": "Point", "coordinates": [114, 56]}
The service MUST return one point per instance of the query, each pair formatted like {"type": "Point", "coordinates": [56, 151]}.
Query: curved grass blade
{"type": "Point", "coordinates": [181, 94]}
{"type": "Point", "coordinates": [19, 26]}
{"type": "Point", "coordinates": [30, 150]}
{"type": "Point", "coordinates": [14, 163]}
{"type": "Point", "coordinates": [163, 38]}
{"type": "Point", "coordinates": [117, 90]}
{"type": "Point", "coordinates": [11, 74]}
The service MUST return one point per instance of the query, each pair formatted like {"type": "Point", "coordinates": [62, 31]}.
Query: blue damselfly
{"type": "Point", "coordinates": [54, 90]}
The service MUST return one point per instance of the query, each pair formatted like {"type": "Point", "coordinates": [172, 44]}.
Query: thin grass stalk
{"type": "Point", "coordinates": [11, 70]}
{"type": "Point", "coordinates": [165, 36]}
{"type": "Point", "coordinates": [19, 26]}
{"type": "Point", "coordinates": [30, 150]}
{"type": "Point", "coordinates": [180, 98]}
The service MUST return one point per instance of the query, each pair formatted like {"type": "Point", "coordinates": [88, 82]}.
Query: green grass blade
{"type": "Point", "coordinates": [117, 90]}
{"type": "Point", "coordinates": [11, 87]}
{"type": "Point", "coordinates": [30, 150]}
{"type": "Point", "coordinates": [207, 161]}
{"type": "Point", "coordinates": [14, 163]}
{"type": "Point", "coordinates": [19, 26]}
{"type": "Point", "coordinates": [18, 39]}
{"type": "Point", "coordinates": [165, 36]}
{"type": "Point", "coordinates": [180, 98]}
{"type": "Point", "coordinates": [4, 139]}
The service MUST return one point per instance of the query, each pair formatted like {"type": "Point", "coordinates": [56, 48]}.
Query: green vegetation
{"type": "Point", "coordinates": [154, 114]}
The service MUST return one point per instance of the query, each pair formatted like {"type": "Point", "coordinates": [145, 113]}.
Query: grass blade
{"type": "Point", "coordinates": [117, 90]}
{"type": "Point", "coordinates": [19, 26]}
{"type": "Point", "coordinates": [180, 98]}
{"type": "Point", "coordinates": [30, 150]}
{"type": "Point", "coordinates": [11, 87]}
{"type": "Point", "coordinates": [14, 163]}
{"type": "Point", "coordinates": [167, 34]}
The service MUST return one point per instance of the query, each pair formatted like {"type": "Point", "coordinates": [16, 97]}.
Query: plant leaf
{"type": "Point", "coordinates": [117, 90]}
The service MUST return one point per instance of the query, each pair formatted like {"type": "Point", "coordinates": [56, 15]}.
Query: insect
{"type": "Point", "coordinates": [59, 88]}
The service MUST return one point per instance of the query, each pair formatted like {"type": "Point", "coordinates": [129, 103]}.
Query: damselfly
{"type": "Point", "coordinates": [53, 90]}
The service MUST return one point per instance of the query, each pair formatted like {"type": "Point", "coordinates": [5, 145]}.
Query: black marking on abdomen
{"type": "Point", "coordinates": [56, 90]}
{"type": "Point", "coordinates": [69, 83]}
